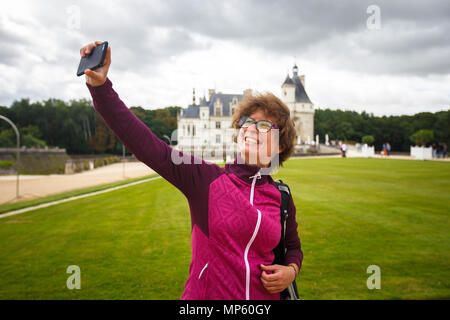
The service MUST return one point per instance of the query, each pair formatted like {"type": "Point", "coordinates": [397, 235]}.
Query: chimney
{"type": "Point", "coordinates": [211, 92]}
{"type": "Point", "coordinates": [247, 92]}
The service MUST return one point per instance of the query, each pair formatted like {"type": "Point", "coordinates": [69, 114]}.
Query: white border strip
{"type": "Point", "coordinates": [48, 204]}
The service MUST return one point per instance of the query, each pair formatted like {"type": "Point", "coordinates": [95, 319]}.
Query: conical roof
{"type": "Point", "coordinates": [288, 81]}
{"type": "Point", "coordinates": [300, 93]}
{"type": "Point", "coordinates": [204, 102]}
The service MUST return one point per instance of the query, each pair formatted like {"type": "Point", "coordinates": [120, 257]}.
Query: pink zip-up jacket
{"type": "Point", "coordinates": [235, 211]}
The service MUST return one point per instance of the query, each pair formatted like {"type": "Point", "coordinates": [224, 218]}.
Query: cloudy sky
{"type": "Point", "coordinates": [390, 59]}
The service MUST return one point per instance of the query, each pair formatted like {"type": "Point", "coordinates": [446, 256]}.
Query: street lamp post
{"type": "Point", "coordinates": [18, 151]}
{"type": "Point", "coordinates": [123, 160]}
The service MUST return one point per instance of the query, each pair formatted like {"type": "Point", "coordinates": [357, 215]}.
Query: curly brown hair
{"type": "Point", "coordinates": [273, 107]}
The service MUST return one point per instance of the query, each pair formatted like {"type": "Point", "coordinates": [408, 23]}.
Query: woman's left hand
{"type": "Point", "coordinates": [280, 278]}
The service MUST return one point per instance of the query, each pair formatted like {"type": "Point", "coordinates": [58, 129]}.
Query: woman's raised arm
{"type": "Point", "coordinates": [139, 139]}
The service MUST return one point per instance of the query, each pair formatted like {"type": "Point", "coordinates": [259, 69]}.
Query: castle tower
{"type": "Point", "coordinates": [302, 109]}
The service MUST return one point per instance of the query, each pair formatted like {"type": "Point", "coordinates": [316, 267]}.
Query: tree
{"type": "Point", "coordinates": [31, 141]}
{"type": "Point", "coordinates": [368, 139]}
{"type": "Point", "coordinates": [8, 138]}
{"type": "Point", "coordinates": [422, 137]}
{"type": "Point", "coordinates": [104, 139]}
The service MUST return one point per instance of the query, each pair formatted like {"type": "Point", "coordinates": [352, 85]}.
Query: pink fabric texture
{"type": "Point", "coordinates": [232, 220]}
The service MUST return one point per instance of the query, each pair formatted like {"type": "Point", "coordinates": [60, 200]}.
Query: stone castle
{"type": "Point", "coordinates": [207, 125]}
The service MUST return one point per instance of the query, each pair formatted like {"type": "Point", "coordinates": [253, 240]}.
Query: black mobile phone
{"type": "Point", "coordinates": [94, 60]}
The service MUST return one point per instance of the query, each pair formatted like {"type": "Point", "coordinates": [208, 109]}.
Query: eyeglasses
{"type": "Point", "coordinates": [263, 126]}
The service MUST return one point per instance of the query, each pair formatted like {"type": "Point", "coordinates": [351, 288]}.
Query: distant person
{"type": "Point", "coordinates": [434, 150]}
{"type": "Point", "coordinates": [439, 150]}
{"type": "Point", "coordinates": [388, 148]}
{"type": "Point", "coordinates": [442, 150]}
{"type": "Point", "coordinates": [235, 210]}
{"type": "Point", "coordinates": [383, 149]}
{"type": "Point", "coordinates": [344, 150]}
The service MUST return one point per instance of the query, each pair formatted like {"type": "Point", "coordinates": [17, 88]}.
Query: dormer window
{"type": "Point", "coordinates": [218, 108]}
{"type": "Point", "coordinates": [233, 104]}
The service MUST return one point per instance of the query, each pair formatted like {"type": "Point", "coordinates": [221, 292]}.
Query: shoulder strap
{"type": "Point", "coordinates": [285, 192]}
{"type": "Point", "coordinates": [291, 292]}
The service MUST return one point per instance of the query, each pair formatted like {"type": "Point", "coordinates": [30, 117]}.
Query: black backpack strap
{"type": "Point", "coordinates": [280, 249]}
{"type": "Point", "coordinates": [291, 292]}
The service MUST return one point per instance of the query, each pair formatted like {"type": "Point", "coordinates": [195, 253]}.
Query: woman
{"type": "Point", "coordinates": [235, 211]}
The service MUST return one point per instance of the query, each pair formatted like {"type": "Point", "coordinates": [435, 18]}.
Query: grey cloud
{"type": "Point", "coordinates": [299, 28]}
{"type": "Point", "coordinates": [303, 27]}
{"type": "Point", "coordinates": [12, 45]}
{"type": "Point", "coordinates": [413, 40]}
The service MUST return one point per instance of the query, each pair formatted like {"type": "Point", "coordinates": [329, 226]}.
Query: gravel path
{"type": "Point", "coordinates": [36, 186]}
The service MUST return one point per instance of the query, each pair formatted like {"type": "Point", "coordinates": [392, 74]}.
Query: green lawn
{"type": "Point", "coordinates": [134, 243]}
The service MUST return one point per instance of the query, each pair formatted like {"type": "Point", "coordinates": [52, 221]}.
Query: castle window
{"type": "Point", "coordinates": [233, 105]}
{"type": "Point", "coordinates": [217, 138]}
{"type": "Point", "coordinates": [217, 124]}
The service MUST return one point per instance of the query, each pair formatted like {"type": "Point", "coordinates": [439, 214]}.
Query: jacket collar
{"type": "Point", "coordinates": [245, 171]}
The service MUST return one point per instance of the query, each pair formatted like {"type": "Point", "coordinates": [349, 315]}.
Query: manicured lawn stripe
{"type": "Point", "coordinates": [134, 243]}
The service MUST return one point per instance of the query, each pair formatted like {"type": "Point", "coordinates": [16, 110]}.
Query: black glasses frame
{"type": "Point", "coordinates": [244, 119]}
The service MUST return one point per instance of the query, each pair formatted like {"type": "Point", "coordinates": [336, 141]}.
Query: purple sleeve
{"type": "Point", "coordinates": [147, 147]}
{"type": "Point", "coordinates": [294, 252]}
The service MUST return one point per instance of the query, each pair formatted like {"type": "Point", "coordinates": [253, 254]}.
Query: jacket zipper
{"type": "Point", "coordinates": [201, 272]}
{"type": "Point", "coordinates": [255, 232]}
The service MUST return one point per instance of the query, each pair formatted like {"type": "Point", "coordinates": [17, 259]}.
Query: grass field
{"type": "Point", "coordinates": [134, 243]}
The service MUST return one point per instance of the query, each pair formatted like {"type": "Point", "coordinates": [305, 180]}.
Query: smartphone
{"type": "Point", "coordinates": [94, 60]}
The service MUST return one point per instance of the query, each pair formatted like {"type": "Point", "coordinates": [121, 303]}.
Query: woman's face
{"type": "Point", "coordinates": [258, 148]}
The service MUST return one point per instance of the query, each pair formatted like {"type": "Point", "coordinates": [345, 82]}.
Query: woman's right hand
{"type": "Point", "coordinates": [98, 76]}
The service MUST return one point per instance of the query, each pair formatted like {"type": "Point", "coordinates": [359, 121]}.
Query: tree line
{"type": "Point", "coordinates": [74, 125]}
{"type": "Point", "coordinates": [401, 132]}
{"type": "Point", "coordinates": [77, 127]}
